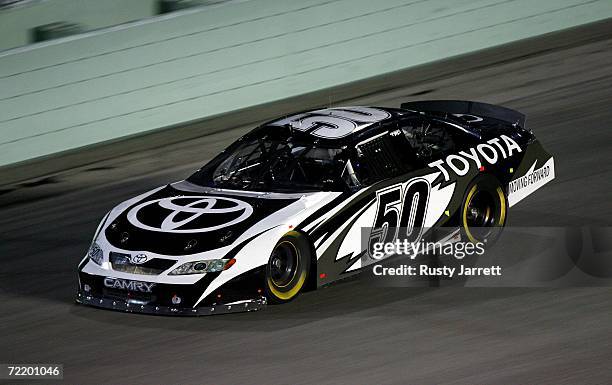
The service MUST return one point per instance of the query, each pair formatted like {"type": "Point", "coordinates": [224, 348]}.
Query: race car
{"type": "Point", "coordinates": [283, 209]}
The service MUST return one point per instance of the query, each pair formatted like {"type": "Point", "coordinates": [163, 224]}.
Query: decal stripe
{"type": "Point", "coordinates": [341, 231]}
{"type": "Point", "coordinates": [318, 216]}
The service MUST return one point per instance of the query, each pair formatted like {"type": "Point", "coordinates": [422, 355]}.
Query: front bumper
{"type": "Point", "coordinates": [240, 294]}
{"type": "Point", "coordinates": [136, 307]}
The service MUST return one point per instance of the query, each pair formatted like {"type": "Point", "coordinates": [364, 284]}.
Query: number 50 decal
{"type": "Point", "coordinates": [400, 214]}
{"type": "Point", "coordinates": [334, 123]}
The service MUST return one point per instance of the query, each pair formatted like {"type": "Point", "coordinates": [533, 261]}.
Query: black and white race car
{"type": "Point", "coordinates": [282, 209]}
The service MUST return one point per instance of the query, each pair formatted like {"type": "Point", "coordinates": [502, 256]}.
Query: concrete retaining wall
{"type": "Point", "coordinates": [199, 63]}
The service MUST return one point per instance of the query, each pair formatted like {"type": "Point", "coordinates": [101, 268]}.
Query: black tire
{"type": "Point", "coordinates": [288, 268]}
{"type": "Point", "coordinates": [484, 210]}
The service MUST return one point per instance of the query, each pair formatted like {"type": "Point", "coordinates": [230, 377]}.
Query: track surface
{"type": "Point", "coordinates": [347, 333]}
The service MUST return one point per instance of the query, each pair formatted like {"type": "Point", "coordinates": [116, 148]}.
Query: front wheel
{"type": "Point", "coordinates": [288, 267]}
{"type": "Point", "coordinates": [483, 213]}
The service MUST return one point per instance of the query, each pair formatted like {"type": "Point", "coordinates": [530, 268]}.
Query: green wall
{"type": "Point", "coordinates": [151, 74]}
{"type": "Point", "coordinates": [16, 23]}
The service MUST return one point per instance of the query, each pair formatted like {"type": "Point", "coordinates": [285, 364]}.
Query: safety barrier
{"type": "Point", "coordinates": [130, 79]}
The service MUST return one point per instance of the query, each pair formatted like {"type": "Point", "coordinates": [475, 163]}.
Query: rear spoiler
{"type": "Point", "coordinates": [484, 110]}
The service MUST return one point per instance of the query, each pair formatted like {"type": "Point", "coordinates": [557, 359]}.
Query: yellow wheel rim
{"type": "Point", "coordinates": [286, 295]}
{"type": "Point", "coordinates": [464, 217]}
{"type": "Point", "coordinates": [502, 214]}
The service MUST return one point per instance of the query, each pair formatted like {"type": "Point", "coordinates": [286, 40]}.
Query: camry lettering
{"type": "Point", "coordinates": [124, 284]}
{"type": "Point", "coordinates": [490, 152]}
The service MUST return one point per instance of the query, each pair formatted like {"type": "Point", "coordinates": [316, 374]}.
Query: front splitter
{"type": "Point", "coordinates": [136, 307]}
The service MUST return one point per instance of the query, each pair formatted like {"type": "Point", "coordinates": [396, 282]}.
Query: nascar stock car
{"type": "Point", "coordinates": [282, 209]}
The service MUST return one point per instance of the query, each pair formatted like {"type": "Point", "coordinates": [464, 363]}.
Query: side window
{"type": "Point", "coordinates": [379, 158]}
{"type": "Point", "coordinates": [430, 139]}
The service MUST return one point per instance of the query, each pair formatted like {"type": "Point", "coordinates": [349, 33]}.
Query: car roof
{"type": "Point", "coordinates": [349, 123]}
{"type": "Point", "coordinates": [338, 123]}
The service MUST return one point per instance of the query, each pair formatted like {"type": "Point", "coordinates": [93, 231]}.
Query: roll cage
{"type": "Point", "coordinates": [281, 159]}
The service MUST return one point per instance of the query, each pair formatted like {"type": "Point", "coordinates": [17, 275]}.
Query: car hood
{"type": "Point", "coordinates": [185, 219]}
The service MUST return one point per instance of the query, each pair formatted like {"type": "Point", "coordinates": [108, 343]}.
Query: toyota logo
{"type": "Point", "coordinates": [138, 259]}
{"type": "Point", "coordinates": [190, 214]}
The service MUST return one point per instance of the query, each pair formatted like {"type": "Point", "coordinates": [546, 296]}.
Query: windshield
{"type": "Point", "coordinates": [274, 160]}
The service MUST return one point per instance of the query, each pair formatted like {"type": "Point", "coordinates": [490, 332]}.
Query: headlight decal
{"type": "Point", "coordinates": [95, 253]}
{"type": "Point", "coordinates": [205, 266]}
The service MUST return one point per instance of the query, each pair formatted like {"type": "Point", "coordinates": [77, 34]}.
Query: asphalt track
{"type": "Point", "coordinates": [348, 333]}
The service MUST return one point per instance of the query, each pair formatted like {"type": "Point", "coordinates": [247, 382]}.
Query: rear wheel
{"type": "Point", "coordinates": [288, 267]}
{"type": "Point", "coordinates": [483, 213]}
